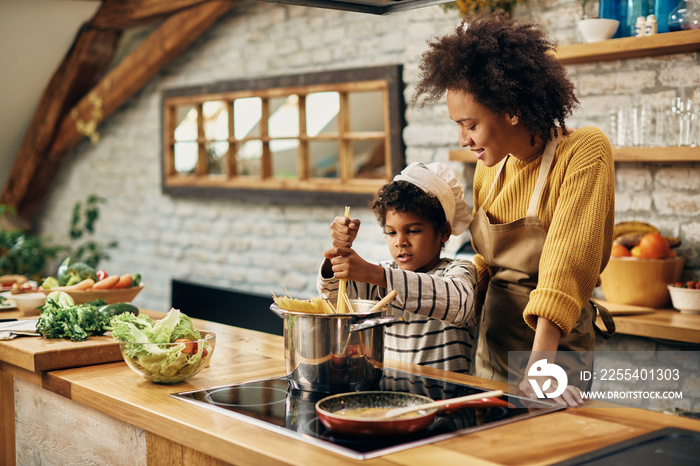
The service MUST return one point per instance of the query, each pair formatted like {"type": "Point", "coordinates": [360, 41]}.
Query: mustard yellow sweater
{"type": "Point", "coordinates": [576, 208]}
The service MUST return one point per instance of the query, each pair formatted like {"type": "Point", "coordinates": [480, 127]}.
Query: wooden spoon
{"type": "Point", "coordinates": [384, 301]}
{"type": "Point", "coordinates": [395, 412]}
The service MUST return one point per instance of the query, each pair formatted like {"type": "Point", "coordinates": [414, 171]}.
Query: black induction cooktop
{"type": "Point", "coordinates": [274, 405]}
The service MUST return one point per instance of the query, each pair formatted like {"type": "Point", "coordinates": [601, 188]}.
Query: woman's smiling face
{"type": "Point", "coordinates": [488, 134]}
{"type": "Point", "coordinates": [414, 243]}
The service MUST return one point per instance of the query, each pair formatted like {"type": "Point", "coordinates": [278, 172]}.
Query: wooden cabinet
{"type": "Point", "coordinates": [620, 49]}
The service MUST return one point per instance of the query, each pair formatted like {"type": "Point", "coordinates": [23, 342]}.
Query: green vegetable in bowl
{"type": "Point", "coordinates": [70, 274]}
{"type": "Point", "coordinates": [62, 298]}
{"type": "Point", "coordinates": [151, 349]}
{"type": "Point", "coordinates": [48, 283]}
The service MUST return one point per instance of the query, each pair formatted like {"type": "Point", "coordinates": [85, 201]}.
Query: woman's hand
{"type": "Point", "coordinates": [348, 265]}
{"type": "Point", "coordinates": [547, 336]}
{"type": "Point", "coordinates": [571, 397]}
{"type": "Point", "coordinates": [344, 231]}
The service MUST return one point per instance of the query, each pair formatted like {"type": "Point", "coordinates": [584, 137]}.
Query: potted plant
{"type": "Point", "coordinates": [28, 254]}
{"type": "Point", "coordinates": [21, 252]}
{"type": "Point", "coordinates": [467, 7]}
{"type": "Point", "coordinates": [83, 220]}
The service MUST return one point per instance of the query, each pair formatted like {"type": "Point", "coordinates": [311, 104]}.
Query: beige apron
{"type": "Point", "coordinates": [513, 251]}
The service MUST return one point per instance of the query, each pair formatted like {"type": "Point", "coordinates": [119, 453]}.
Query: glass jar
{"type": "Point", "coordinates": [693, 15]}
{"type": "Point", "coordinates": [677, 19]}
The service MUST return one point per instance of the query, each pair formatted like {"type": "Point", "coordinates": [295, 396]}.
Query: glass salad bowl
{"type": "Point", "coordinates": [168, 363]}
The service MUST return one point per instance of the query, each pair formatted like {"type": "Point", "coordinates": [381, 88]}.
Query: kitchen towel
{"type": "Point", "coordinates": [26, 327]}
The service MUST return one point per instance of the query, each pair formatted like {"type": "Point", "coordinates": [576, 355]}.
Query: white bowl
{"type": "Point", "coordinates": [29, 304]}
{"type": "Point", "coordinates": [685, 300]}
{"type": "Point", "coordinates": [597, 29]}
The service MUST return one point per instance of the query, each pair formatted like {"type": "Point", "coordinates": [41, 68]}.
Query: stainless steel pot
{"type": "Point", "coordinates": [335, 353]}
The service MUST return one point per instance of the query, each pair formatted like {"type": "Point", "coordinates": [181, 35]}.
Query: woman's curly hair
{"type": "Point", "coordinates": [403, 196]}
{"type": "Point", "coordinates": [506, 65]}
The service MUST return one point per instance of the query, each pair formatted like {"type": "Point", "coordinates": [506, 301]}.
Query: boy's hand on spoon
{"type": "Point", "coordinates": [348, 265]}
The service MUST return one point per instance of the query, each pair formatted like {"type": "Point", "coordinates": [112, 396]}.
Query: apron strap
{"type": "Point", "coordinates": [545, 165]}
{"type": "Point", "coordinates": [607, 319]}
{"type": "Point", "coordinates": [495, 179]}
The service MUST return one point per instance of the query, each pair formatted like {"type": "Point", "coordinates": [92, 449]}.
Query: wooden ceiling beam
{"type": "Point", "coordinates": [164, 44]}
{"type": "Point", "coordinates": [124, 80]}
{"type": "Point", "coordinates": [124, 14]}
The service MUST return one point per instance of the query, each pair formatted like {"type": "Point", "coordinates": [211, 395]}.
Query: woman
{"type": "Point", "coordinates": [543, 193]}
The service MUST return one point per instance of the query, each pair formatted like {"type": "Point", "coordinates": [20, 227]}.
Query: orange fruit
{"type": "Point", "coordinates": [654, 246]}
{"type": "Point", "coordinates": [636, 251]}
{"type": "Point", "coordinates": [619, 250]}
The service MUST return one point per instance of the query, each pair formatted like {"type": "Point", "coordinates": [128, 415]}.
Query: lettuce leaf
{"type": "Point", "coordinates": [144, 347]}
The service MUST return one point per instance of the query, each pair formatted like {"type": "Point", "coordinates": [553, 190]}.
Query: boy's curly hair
{"type": "Point", "coordinates": [402, 196]}
{"type": "Point", "coordinates": [506, 65]}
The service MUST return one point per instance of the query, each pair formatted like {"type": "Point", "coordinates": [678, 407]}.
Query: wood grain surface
{"type": "Point", "coordinates": [182, 433]}
{"type": "Point", "coordinates": [664, 324]}
{"type": "Point", "coordinates": [244, 355]}
{"type": "Point", "coordinates": [41, 354]}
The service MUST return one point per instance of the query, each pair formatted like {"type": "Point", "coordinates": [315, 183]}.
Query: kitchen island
{"type": "Point", "coordinates": [155, 428]}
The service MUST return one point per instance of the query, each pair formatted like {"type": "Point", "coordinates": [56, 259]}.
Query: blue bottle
{"type": "Point", "coordinates": [662, 9]}
{"type": "Point", "coordinates": [615, 9]}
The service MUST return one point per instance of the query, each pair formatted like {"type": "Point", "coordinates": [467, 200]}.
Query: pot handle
{"type": "Point", "coordinates": [376, 322]}
{"type": "Point", "coordinates": [276, 309]}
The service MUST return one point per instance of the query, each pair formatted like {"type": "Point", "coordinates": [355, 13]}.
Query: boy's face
{"type": "Point", "coordinates": [413, 242]}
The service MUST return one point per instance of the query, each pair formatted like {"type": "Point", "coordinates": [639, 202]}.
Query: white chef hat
{"type": "Point", "coordinates": [439, 180]}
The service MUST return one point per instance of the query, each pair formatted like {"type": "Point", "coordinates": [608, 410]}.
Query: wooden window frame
{"type": "Point", "coordinates": [345, 189]}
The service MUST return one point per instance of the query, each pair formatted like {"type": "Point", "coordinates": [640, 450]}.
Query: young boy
{"type": "Point", "coordinates": [418, 211]}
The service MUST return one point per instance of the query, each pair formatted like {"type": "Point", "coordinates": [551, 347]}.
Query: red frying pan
{"type": "Point", "coordinates": [361, 413]}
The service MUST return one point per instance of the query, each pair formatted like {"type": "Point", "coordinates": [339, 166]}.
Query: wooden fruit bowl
{"type": "Point", "coordinates": [119, 295]}
{"type": "Point", "coordinates": [640, 282]}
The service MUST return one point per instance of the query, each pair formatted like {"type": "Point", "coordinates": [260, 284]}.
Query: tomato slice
{"type": "Point", "coordinates": [189, 345]}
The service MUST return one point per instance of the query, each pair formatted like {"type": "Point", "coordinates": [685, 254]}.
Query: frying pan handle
{"type": "Point", "coordinates": [481, 403]}
{"type": "Point", "coordinates": [376, 322]}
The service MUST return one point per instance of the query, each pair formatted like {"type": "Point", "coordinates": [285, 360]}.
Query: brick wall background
{"type": "Point", "coordinates": [260, 248]}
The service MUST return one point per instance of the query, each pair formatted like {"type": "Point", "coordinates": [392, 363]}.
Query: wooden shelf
{"type": "Point", "coordinates": [656, 154]}
{"type": "Point", "coordinates": [630, 47]}
{"type": "Point", "coordinates": [664, 324]}
{"type": "Point", "coordinates": [618, 49]}
{"type": "Point", "coordinates": [620, 154]}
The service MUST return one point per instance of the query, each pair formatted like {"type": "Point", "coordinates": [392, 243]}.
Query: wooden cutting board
{"type": "Point", "coordinates": [624, 309]}
{"type": "Point", "coordinates": [42, 354]}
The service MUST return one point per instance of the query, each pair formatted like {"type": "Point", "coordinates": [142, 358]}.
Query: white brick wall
{"type": "Point", "coordinates": [260, 248]}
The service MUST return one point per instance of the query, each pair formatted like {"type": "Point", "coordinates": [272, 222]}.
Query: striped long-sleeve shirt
{"type": "Point", "coordinates": [437, 307]}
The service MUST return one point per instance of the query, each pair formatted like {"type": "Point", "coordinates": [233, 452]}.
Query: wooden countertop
{"type": "Point", "coordinates": [663, 324]}
{"type": "Point", "coordinates": [243, 355]}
